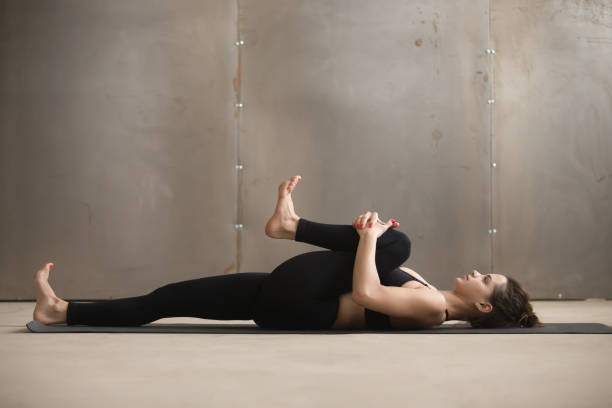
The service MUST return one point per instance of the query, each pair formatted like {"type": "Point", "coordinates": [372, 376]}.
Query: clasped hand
{"type": "Point", "coordinates": [368, 223]}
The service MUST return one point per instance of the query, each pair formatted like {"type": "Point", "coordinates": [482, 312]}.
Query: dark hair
{"type": "Point", "coordinates": [511, 308]}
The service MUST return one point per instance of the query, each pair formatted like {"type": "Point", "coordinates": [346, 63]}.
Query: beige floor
{"type": "Point", "coordinates": [287, 370]}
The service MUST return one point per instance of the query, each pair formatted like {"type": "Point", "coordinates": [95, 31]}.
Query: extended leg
{"type": "Point", "coordinates": [221, 297]}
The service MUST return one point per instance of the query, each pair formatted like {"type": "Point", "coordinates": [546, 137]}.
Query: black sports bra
{"type": "Point", "coordinates": [395, 277]}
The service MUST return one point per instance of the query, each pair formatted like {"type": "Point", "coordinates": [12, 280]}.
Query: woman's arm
{"type": "Point", "coordinates": [365, 274]}
{"type": "Point", "coordinates": [419, 305]}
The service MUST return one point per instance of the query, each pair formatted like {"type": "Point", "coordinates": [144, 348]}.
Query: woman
{"type": "Point", "coordinates": [357, 284]}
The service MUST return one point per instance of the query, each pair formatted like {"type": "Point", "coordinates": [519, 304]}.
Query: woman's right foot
{"type": "Point", "coordinates": [49, 308]}
{"type": "Point", "coordinates": [283, 223]}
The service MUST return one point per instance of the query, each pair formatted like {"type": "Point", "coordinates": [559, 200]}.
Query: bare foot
{"type": "Point", "coordinates": [283, 222]}
{"type": "Point", "coordinates": [49, 308]}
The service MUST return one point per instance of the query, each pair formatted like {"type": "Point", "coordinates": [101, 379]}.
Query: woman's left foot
{"type": "Point", "coordinates": [283, 223]}
{"type": "Point", "coordinates": [49, 308]}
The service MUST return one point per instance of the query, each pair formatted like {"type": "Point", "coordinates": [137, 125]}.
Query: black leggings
{"type": "Point", "coordinates": [301, 293]}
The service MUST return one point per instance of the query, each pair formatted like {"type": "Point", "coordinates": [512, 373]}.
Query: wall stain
{"type": "Point", "coordinates": [418, 42]}
{"type": "Point", "coordinates": [141, 268]}
{"type": "Point", "coordinates": [236, 82]}
{"type": "Point", "coordinates": [602, 178]}
{"type": "Point", "coordinates": [229, 268]}
{"type": "Point", "coordinates": [598, 40]}
{"type": "Point", "coordinates": [485, 78]}
{"type": "Point", "coordinates": [436, 135]}
{"type": "Point", "coordinates": [587, 11]}
{"type": "Point", "coordinates": [178, 100]}
{"type": "Point", "coordinates": [89, 222]}
{"type": "Point", "coordinates": [89, 213]}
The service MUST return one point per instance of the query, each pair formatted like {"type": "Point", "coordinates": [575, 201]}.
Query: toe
{"type": "Point", "coordinates": [40, 274]}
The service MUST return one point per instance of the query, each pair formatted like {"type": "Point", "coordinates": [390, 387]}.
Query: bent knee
{"type": "Point", "coordinates": [401, 243]}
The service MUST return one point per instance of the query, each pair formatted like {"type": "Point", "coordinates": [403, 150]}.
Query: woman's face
{"type": "Point", "coordinates": [476, 287]}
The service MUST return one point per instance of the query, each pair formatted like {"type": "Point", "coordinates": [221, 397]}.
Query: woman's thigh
{"type": "Point", "coordinates": [303, 291]}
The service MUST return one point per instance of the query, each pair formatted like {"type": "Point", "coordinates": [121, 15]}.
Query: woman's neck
{"type": "Point", "coordinates": [456, 307]}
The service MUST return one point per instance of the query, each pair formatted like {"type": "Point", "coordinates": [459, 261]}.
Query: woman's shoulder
{"type": "Point", "coordinates": [417, 276]}
{"type": "Point", "coordinates": [434, 320]}
{"type": "Point", "coordinates": [411, 272]}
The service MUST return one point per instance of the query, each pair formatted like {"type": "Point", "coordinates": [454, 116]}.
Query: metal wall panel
{"type": "Point", "coordinates": [119, 137]}
{"type": "Point", "coordinates": [379, 106]}
{"type": "Point", "coordinates": [553, 146]}
{"type": "Point", "coordinates": [117, 150]}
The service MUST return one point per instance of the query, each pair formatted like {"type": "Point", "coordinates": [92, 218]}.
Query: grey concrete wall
{"type": "Point", "coordinates": [119, 137]}
{"type": "Point", "coordinates": [117, 144]}
{"type": "Point", "coordinates": [552, 142]}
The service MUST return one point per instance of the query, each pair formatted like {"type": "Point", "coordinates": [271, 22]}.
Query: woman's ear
{"type": "Point", "coordinates": [484, 307]}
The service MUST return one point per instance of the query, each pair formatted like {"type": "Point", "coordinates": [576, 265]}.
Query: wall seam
{"type": "Point", "coordinates": [491, 146]}
{"type": "Point", "coordinates": [237, 106]}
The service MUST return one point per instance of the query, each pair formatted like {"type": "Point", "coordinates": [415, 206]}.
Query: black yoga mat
{"type": "Point", "coordinates": [550, 328]}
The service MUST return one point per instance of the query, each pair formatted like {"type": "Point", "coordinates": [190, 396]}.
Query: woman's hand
{"type": "Point", "coordinates": [368, 223]}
